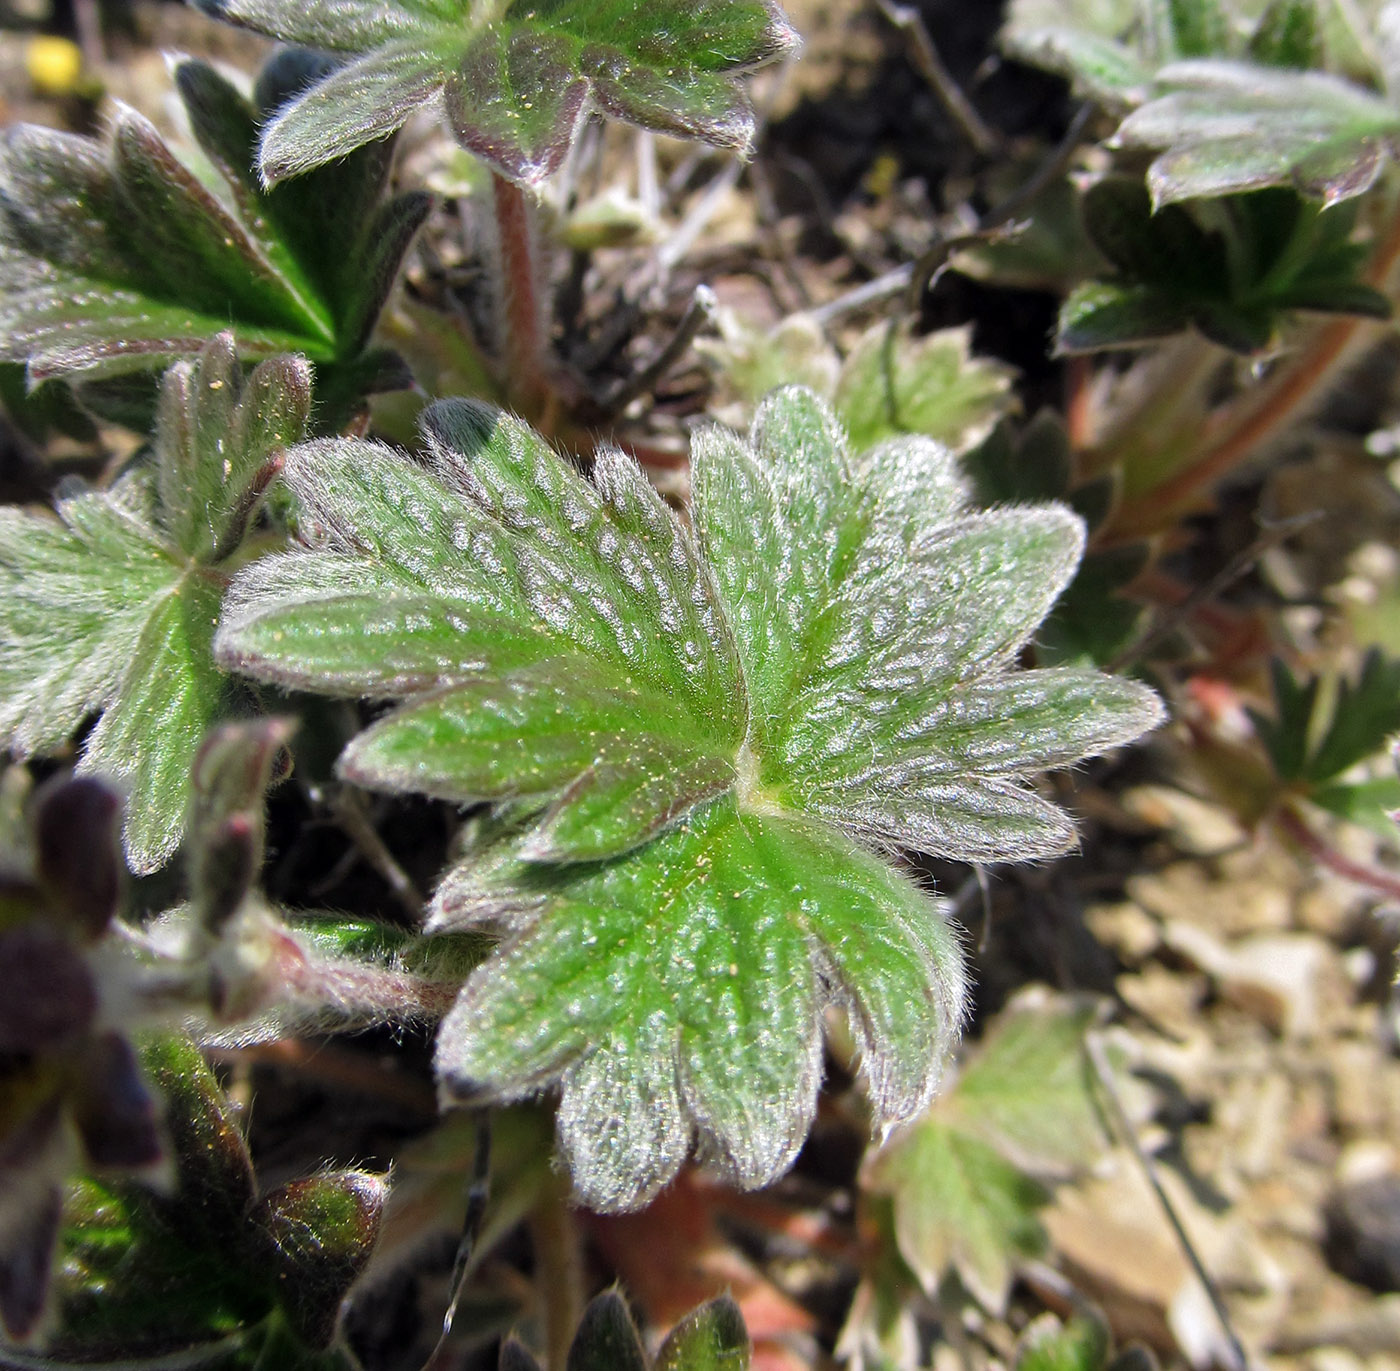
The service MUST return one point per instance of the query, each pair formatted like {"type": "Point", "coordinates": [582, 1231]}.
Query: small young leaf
{"type": "Point", "coordinates": [1232, 126]}
{"type": "Point", "coordinates": [1083, 1344]}
{"type": "Point", "coordinates": [958, 1177]}
{"type": "Point", "coordinates": [1029, 1091]}
{"type": "Point", "coordinates": [1313, 738]}
{"type": "Point", "coordinates": [722, 711]}
{"type": "Point", "coordinates": [965, 1209]}
{"type": "Point", "coordinates": [710, 1338]}
{"type": "Point", "coordinates": [119, 259]}
{"type": "Point", "coordinates": [517, 78]}
{"type": "Point", "coordinates": [892, 385]}
{"type": "Point", "coordinates": [111, 607]}
{"type": "Point", "coordinates": [1365, 718]}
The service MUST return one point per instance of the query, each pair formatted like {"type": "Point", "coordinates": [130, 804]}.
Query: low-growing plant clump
{"type": "Point", "coordinates": [390, 546]}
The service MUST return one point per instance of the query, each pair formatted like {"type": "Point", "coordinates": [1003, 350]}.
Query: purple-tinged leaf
{"type": "Point", "coordinates": [518, 78]}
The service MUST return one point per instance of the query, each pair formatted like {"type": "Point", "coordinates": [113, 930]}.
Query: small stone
{"type": "Point", "coordinates": [1362, 1240]}
{"type": "Point", "coordinates": [1247, 899]}
{"type": "Point", "coordinates": [1170, 1001]}
{"type": "Point", "coordinates": [1194, 826]}
{"type": "Point", "coordinates": [1126, 929]}
{"type": "Point", "coordinates": [1275, 978]}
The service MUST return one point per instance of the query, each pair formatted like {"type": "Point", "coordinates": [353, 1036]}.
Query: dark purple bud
{"type": "Point", "coordinates": [76, 823]}
{"type": "Point", "coordinates": [515, 1356]}
{"type": "Point", "coordinates": [115, 1113]}
{"type": "Point", "coordinates": [235, 765]}
{"type": "Point", "coordinates": [47, 995]}
{"type": "Point", "coordinates": [26, 1262]}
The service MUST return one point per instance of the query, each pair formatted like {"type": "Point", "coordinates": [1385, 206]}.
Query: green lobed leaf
{"type": "Point", "coordinates": [975, 1213]}
{"type": "Point", "coordinates": [1233, 268]}
{"type": "Point", "coordinates": [1223, 127]}
{"type": "Point", "coordinates": [963, 1178]}
{"type": "Point", "coordinates": [892, 385]}
{"type": "Point", "coordinates": [723, 711]}
{"type": "Point", "coordinates": [517, 78]}
{"type": "Point", "coordinates": [111, 607]}
{"type": "Point", "coordinates": [118, 257]}
{"type": "Point", "coordinates": [1029, 1091]}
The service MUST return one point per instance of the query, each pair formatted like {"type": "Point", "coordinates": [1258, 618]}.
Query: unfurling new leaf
{"type": "Point", "coordinates": [705, 734]}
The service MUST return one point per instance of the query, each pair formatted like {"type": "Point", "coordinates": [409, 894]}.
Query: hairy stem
{"type": "Point", "coordinates": [521, 304]}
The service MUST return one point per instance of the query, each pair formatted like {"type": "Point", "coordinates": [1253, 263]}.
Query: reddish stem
{"type": "Point", "coordinates": [1372, 877]}
{"type": "Point", "coordinates": [522, 310]}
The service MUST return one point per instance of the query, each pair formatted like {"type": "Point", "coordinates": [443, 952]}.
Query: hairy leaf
{"type": "Point", "coordinates": [695, 727]}
{"type": "Point", "coordinates": [964, 1178]}
{"type": "Point", "coordinates": [110, 607]}
{"type": "Point", "coordinates": [517, 79]}
{"type": "Point", "coordinates": [890, 385]}
{"type": "Point", "coordinates": [1113, 50]}
{"type": "Point", "coordinates": [1226, 127]}
{"type": "Point", "coordinates": [119, 257]}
